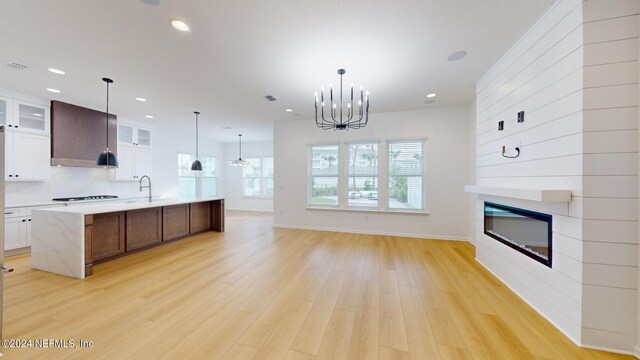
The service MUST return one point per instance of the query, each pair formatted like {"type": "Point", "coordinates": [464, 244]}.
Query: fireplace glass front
{"type": "Point", "coordinates": [526, 231]}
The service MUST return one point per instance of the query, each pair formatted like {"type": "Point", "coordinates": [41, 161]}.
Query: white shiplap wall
{"type": "Point", "coordinates": [610, 182]}
{"type": "Point", "coordinates": [575, 74]}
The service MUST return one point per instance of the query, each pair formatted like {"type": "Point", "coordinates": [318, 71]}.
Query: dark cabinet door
{"type": "Point", "coordinates": [144, 228]}
{"type": "Point", "coordinates": [175, 222]}
{"type": "Point", "coordinates": [108, 235]}
{"type": "Point", "coordinates": [200, 214]}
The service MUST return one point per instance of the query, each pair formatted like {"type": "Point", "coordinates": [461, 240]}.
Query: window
{"type": "Point", "coordinates": [323, 175]}
{"type": "Point", "coordinates": [362, 174]}
{"type": "Point", "coordinates": [192, 184]}
{"type": "Point", "coordinates": [258, 177]}
{"type": "Point", "coordinates": [406, 175]}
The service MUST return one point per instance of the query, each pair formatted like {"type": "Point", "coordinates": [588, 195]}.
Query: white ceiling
{"type": "Point", "coordinates": [239, 51]}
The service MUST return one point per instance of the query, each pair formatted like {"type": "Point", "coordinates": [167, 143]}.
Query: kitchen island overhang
{"type": "Point", "coordinates": [70, 240]}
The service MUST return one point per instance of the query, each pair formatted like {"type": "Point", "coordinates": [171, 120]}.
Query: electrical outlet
{"type": "Point", "coordinates": [521, 116]}
{"type": "Point", "coordinates": [500, 125]}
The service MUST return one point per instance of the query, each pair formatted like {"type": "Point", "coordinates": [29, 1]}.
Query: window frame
{"type": "Point", "coordinates": [199, 183]}
{"type": "Point", "coordinates": [383, 176]}
{"type": "Point", "coordinates": [423, 174]}
{"type": "Point", "coordinates": [311, 176]}
{"type": "Point", "coordinates": [261, 179]}
{"type": "Point", "coordinates": [348, 175]}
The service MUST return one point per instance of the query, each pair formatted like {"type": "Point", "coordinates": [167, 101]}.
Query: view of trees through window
{"type": "Point", "coordinates": [324, 175]}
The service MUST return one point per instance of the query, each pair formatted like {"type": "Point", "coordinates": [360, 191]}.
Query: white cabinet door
{"type": "Point", "coordinates": [125, 134]}
{"type": "Point", "coordinates": [143, 162]}
{"type": "Point", "coordinates": [8, 156]}
{"type": "Point", "coordinates": [143, 138]}
{"type": "Point", "coordinates": [126, 163]}
{"type": "Point", "coordinates": [28, 233]}
{"type": "Point", "coordinates": [31, 118]}
{"type": "Point", "coordinates": [14, 233]}
{"type": "Point", "coordinates": [31, 157]}
{"type": "Point", "coordinates": [6, 107]}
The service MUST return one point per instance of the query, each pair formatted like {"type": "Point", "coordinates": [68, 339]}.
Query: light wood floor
{"type": "Point", "coordinates": [256, 292]}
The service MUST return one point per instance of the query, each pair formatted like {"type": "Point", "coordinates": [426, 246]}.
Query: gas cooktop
{"type": "Point", "coordinates": [91, 197]}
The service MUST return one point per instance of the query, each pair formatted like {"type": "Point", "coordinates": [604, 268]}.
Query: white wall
{"type": "Point", "coordinates": [471, 198]}
{"type": "Point", "coordinates": [447, 157]}
{"type": "Point", "coordinates": [234, 198]}
{"type": "Point", "coordinates": [575, 75]}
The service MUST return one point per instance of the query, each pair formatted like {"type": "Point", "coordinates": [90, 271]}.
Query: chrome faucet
{"type": "Point", "coordinates": [148, 186]}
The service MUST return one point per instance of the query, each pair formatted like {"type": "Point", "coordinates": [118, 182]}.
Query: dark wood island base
{"type": "Point", "coordinates": [112, 235]}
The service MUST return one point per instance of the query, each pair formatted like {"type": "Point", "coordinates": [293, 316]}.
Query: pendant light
{"type": "Point", "coordinates": [107, 158]}
{"type": "Point", "coordinates": [239, 161]}
{"type": "Point", "coordinates": [197, 165]}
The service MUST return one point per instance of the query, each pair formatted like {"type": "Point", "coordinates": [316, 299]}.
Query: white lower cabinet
{"type": "Point", "coordinates": [15, 233]}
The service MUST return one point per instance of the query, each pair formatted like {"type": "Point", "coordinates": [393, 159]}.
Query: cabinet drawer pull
{"type": "Point", "coordinates": [24, 220]}
{"type": "Point", "coordinates": [29, 219]}
{"type": "Point", "coordinates": [8, 213]}
{"type": "Point", "coordinates": [6, 269]}
{"type": "Point", "coordinates": [10, 175]}
{"type": "Point", "coordinates": [17, 175]}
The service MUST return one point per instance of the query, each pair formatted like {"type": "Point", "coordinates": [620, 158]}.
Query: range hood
{"type": "Point", "coordinates": [78, 133]}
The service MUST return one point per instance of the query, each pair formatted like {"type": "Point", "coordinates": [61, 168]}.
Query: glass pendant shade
{"type": "Point", "coordinates": [107, 158]}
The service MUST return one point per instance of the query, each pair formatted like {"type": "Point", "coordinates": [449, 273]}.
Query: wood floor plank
{"type": "Point", "coordinates": [335, 344]}
{"type": "Point", "coordinates": [255, 292]}
{"type": "Point", "coordinates": [315, 325]}
{"type": "Point", "coordinates": [366, 332]}
{"type": "Point", "coordinates": [294, 355]}
{"type": "Point", "coordinates": [282, 335]}
{"type": "Point", "coordinates": [393, 354]}
{"type": "Point", "coordinates": [420, 337]}
{"type": "Point", "coordinates": [241, 352]}
{"type": "Point", "coordinates": [454, 353]}
{"type": "Point", "coordinates": [392, 329]}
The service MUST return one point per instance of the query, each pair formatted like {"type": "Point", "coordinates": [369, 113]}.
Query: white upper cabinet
{"type": "Point", "coordinates": [132, 135]}
{"type": "Point", "coordinates": [5, 110]}
{"type": "Point", "coordinates": [134, 153]}
{"type": "Point", "coordinates": [28, 117]}
{"type": "Point", "coordinates": [27, 157]}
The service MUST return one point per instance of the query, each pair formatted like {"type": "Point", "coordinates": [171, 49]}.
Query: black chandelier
{"type": "Point", "coordinates": [336, 119]}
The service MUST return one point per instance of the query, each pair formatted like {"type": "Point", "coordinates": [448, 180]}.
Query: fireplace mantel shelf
{"type": "Point", "coordinates": [525, 194]}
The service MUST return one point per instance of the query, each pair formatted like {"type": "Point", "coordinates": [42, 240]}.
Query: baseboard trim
{"type": "Point", "coordinates": [615, 351]}
{"type": "Point", "coordinates": [636, 351]}
{"type": "Point", "coordinates": [251, 210]}
{"type": "Point", "coordinates": [383, 233]}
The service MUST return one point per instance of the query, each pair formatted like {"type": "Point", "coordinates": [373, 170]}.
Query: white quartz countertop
{"type": "Point", "coordinates": [123, 205]}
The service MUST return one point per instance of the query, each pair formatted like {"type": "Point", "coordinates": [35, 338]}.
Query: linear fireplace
{"type": "Point", "coordinates": [526, 231]}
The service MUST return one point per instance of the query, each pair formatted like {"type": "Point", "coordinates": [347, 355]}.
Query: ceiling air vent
{"type": "Point", "coordinates": [14, 65]}
{"type": "Point", "coordinates": [270, 98]}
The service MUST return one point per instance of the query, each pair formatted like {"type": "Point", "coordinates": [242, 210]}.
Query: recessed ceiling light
{"type": "Point", "coordinates": [149, 116]}
{"type": "Point", "coordinates": [432, 95]}
{"type": "Point", "coordinates": [57, 71]}
{"type": "Point", "coordinates": [54, 90]}
{"type": "Point", "coordinates": [179, 25]}
{"type": "Point", "coordinates": [457, 55]}
{"type": "Point", "coordinates": [288, 110]}
{"type": "Point", "coordinates": [141, 99]}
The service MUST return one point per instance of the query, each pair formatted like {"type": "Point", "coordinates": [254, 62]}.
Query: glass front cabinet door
{"type": "Point", "coordinates": [29, 117]}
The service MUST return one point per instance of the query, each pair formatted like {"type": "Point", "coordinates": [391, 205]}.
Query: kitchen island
{"type": "Point", "coordinates": [69, 240]}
